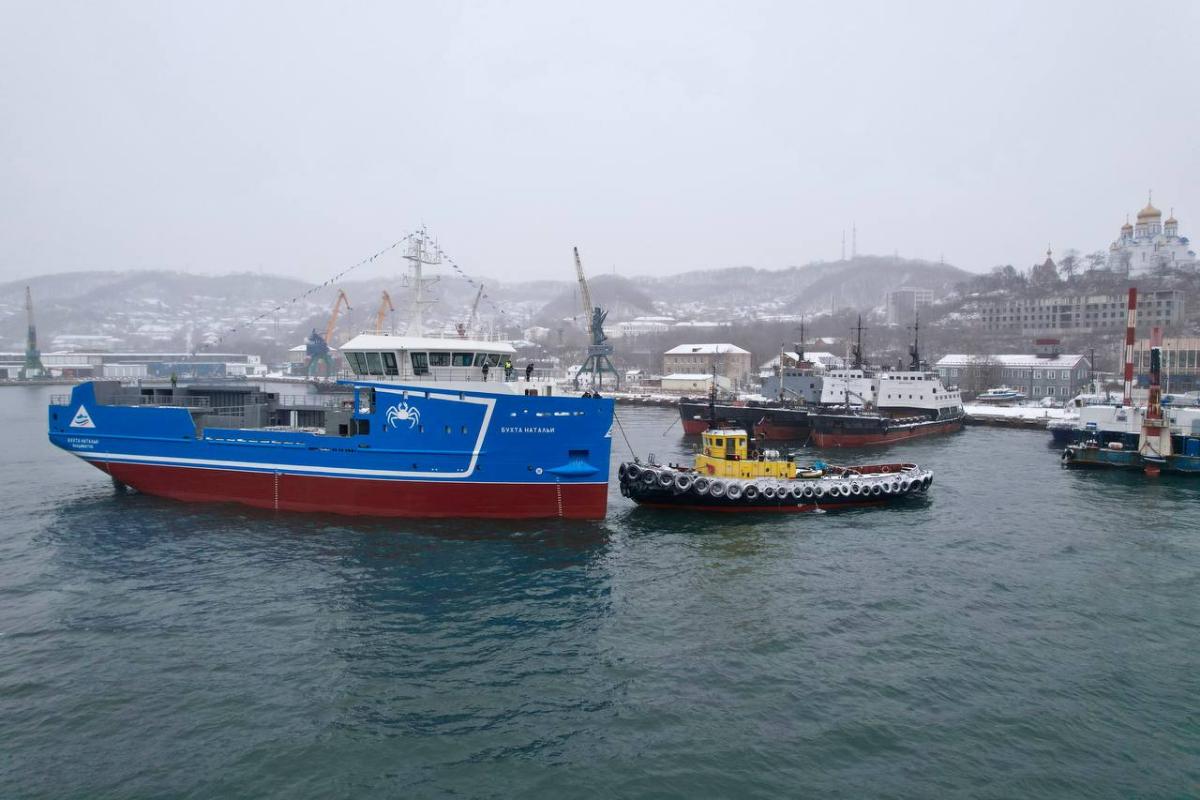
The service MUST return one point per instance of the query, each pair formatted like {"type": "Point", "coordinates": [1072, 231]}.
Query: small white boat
{"type": "Point", "coordinates": [1001, 394]}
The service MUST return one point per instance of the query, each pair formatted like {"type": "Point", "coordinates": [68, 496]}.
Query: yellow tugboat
{"type": "Point", "coordinates": [730, 476]}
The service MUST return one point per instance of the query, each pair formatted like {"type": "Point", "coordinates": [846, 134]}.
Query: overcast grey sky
{"type": "Point", "coordinates": [297, 137]}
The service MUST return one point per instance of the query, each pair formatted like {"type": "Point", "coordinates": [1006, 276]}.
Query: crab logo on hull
{"type": "Point", "coordinates": [403, 412]}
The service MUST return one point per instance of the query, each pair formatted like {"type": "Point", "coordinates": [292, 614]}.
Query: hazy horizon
{"type": "Point", "coordinates": [295, 139]}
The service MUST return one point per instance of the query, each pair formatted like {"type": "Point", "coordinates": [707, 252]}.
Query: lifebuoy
{"type": "Point", "coordinates": [886, 468]}
{"type": "Point", "coordinates": [717, 489]}
{"type": "Point", "coordinates": [734, 491]}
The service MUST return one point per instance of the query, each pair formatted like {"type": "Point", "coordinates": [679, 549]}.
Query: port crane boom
{"type": "Point", "coordinates": [385, 305]}
{"type": "Point", "coordinates": [599, 351]}
{"type": "Point", "coordinates": [463, 327]}
{"type": "Point", "coordinates": [317, 347]}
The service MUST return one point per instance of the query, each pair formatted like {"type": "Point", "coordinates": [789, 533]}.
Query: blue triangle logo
{"type": "Point", "coordinates": [82, 419]}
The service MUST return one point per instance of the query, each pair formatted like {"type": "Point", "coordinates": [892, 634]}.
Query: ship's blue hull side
{"type": "Point", "coordinates": [420, 451]}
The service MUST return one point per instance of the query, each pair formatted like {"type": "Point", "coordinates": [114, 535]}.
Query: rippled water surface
{"type": "Point", "coordinates": [1026, 632]}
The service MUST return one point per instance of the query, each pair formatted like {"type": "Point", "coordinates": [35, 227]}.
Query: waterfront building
{"type": "Point", "coordinates": [1180, 362]}
{"type": "Point", "coordinates": [1150, 244]}
{"type": "Point", "coordinates": [727, 359]}
{"type": "Point", "coordinates": [694, 383]}
{"type": "Point", "coordinates": [67, 364]}
{"type": "Point", "coordinates": [1036, 375]}
{"type": "Point", "coordinates": [1081, 313]}
{"type": "Point", "coordinates": [902, 304]}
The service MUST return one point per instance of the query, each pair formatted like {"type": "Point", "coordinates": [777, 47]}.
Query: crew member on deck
{"type": "Point", "coordinates": [485, 369]}
{"type": "Point", "coordinates": [508, 368]}
{"type": "Point", "coordinates": [528, 372]}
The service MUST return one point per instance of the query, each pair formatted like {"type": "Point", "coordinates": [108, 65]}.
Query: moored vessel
{"type": "Point", "coordinates": [903, 404]}
{"type": "Point", "coordinates": [728, 476]}
{"type": "Point", "coordinates": [1153, 440]}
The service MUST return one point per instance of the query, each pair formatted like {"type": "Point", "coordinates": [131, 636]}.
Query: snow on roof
{"type": "Point", "coordinates": [371, 341]}
{"type": "Point", "coordinates": [1030, 361]}
{"type": "Point", "coordinates": [706, 349]}
{"type": "Point", "coordinates": [687, 376]}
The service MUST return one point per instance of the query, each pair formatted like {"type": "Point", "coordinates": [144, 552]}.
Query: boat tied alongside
{"type": "Point", "coordinates": [728, 476]}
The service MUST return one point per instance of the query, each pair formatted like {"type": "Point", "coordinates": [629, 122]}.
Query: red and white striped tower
{"type": "Point", "coordinates": [1130, 328]}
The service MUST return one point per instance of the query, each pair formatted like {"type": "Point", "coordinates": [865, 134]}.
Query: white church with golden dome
{"type": "Point", "coordinates": [1150, 243]}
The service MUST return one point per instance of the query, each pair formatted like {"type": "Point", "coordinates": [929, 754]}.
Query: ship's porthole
{"type": "Point", "coordinates": [537, 471]}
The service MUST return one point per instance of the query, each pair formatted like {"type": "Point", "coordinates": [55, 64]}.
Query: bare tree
{"type": "Point", "coordinates": [1069, 265]}
{"type": "Point", "coordinates": [1097, 261]}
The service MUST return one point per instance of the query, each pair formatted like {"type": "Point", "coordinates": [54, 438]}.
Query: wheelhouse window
{"type": "Point", "coordinates": [439, 359]}
{"type": "Point", "coordinates": [374, 364]}
{"type": "Point", "coordinates": [420, 363]}
{"type": "Point", "coordinates": [463, 359]}
{"type": "Point", "coordinates": [492, 359]}
{"type": "Point", "coordinates": [357, 363]}
{"type": "Point", "coordinates": [389, 364]}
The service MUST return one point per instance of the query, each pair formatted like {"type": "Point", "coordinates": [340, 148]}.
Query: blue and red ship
{"type": "Point", "coordinates": [423, 430]}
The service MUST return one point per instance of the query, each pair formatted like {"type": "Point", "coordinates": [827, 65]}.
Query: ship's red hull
{"type": "Point", "coordinates": [695, 427]}
{"type": "Point", "coordinates": [773, 431]}
{"type": "Point", "coordinates": [361, 497]}
{"type": "Point", "coordinates": [896, 434]}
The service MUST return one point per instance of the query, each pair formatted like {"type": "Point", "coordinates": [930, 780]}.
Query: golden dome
{"type": "Point", "coordinates": [1149, 212]}
{"type": "Point", "coordinates": [1171, 219]}
{"type": "Point", "coordinates": [1126, 226]}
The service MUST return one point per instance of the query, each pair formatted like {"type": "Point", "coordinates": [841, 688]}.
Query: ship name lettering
{"type": "Point", "coordinates": [526, 429]}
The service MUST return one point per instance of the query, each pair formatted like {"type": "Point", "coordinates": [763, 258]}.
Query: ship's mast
{"type": "Point", "coordinates": [421, 252]}
{"type": "Point", "coordinates": [915, 350]}
{"type": "Point", "coordinates": [858, 351]}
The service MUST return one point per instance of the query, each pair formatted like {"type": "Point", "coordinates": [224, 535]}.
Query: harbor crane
{"type": "Point", "coordinates": [385, 306]}
{"type": "Point", "coordinates": [33, 358]}
{"type": "Point", "coordinates": [463, 327]}
{"type": "Point", "coordinates": [317, 347]}
{"type": "Point", "coordinates": [599, 352]}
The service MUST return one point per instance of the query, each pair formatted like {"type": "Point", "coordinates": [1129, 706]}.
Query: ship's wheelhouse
{"type": "Point", "coordinates": [425, 358]}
